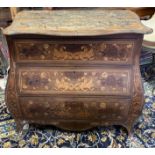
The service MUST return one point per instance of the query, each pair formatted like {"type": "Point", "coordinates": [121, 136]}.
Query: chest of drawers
{"type": "Point", "coordinates": [75, 69]}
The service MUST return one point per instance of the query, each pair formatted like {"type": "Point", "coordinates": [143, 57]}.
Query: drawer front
{"type": "Point", "coordinates": [74, 108]}
{"type": "Point", "coordinates": [50, 80]}
{"type": "Point", "coordinates": [117, 51]}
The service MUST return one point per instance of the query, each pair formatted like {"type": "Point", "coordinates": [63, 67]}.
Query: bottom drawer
{"type": "Point", "coordinates": [41, 108]}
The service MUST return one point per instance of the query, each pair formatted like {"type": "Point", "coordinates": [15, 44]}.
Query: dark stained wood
{"type": "Point", "coordinates": [90, 81]}
{"type": "Point", "coordinates": [143, 12]}
{"type": "Point", "coordinates": [75, 82]}
{"type": "Point", "coordinates": [114, 51]}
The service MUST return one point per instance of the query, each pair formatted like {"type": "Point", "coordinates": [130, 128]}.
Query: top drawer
{"type": "Point", "coordinates": [75, 52]}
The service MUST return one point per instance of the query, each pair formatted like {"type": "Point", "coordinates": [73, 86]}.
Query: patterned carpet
{"type": "Point", "coordinates": [112, 136]}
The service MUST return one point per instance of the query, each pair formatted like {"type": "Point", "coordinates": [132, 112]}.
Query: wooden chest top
{"type": "Point", "coordinates": [88, 22]}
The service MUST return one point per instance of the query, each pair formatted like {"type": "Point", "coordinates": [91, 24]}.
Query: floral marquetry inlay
{"type": "Point", "coordinates": [100, 81]}
{"type": "Point", "coordinates": [103, 51]}
{"type": "Point", "coordinates": [81, 108]}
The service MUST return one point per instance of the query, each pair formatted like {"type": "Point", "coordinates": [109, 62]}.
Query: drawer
{"type": "Point", "coordinates": [74, 108]}
{"type": "Point", "coordinates": [75, 80]}
{"type": "Point", "coordinates": [100, 52]}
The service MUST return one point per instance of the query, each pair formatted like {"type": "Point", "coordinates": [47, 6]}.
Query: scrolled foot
{"type": "Point", "coordinates": [129, 129]}
{"type": "Point", "coordinates": [21, 126]}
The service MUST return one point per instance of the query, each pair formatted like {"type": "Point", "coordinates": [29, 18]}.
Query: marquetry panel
{"type": "Point", "coordinates": [98, 52]}
{"type": "Point", "coordinates": [74, 81]}
{"type": "Point", "coordinates": [74, 108]}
